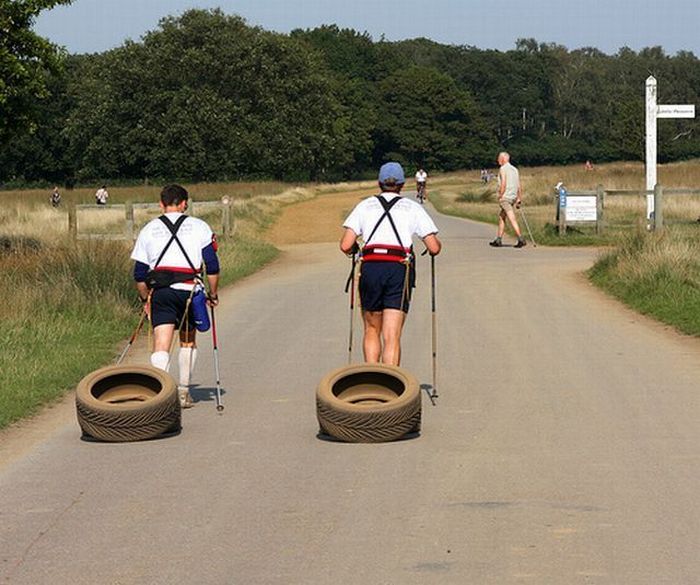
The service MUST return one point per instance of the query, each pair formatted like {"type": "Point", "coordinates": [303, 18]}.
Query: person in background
{"type": "Point", "coordinates": [421, 182]}
{"type": "Point", "coordinates": [509, 199]}
{"type": "Point", "coordinates": [55, 197]}
{"type": "Point", "coordinates": [101, 195]}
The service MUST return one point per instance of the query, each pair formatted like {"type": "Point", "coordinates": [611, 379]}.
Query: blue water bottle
{"type": "Point", "coordinates": [199, 310]}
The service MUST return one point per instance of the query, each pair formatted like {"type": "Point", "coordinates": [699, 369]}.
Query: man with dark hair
{"type": "Point", "coordinates": [168, 255]}
{"type": "Point", "coordinates": [387, 224]}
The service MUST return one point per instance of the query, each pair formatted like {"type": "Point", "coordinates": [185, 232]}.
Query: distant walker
{"type": "Point", "coordinates": [509, 198]}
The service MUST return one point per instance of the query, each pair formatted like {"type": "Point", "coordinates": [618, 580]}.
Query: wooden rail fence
{"type": "Point", "coordinates": [601, 194]}
{"type": "Point", "coordinates": [129, 232]}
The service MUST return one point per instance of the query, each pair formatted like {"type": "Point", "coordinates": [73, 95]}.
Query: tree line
{"type": "Point", "coordinates": [206, 96]}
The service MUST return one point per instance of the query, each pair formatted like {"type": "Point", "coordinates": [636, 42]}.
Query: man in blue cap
{"type": "Point", "coordinates": [386, 223]}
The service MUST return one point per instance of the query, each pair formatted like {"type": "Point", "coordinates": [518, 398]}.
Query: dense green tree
{"type": "Point", "coordinates": [354, 63]}
{"type": "Point", "coordinates": [39, 154]}
{"type": "Point", "coordinates": [26, 63]}
{"type": "Point", "coordinates": [205, 96]}
{"type": "Point", "coordinates": [347, 53]}
{"type": "Point", "coordinates": [425, 119]}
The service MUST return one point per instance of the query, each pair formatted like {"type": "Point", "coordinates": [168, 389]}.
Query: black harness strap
{"type": "Point", "coordinates": [386, 205]}
{"type": "Point", "coordinates": [351, 276]}
{"type": "Point", "coordinates": [174, 227]}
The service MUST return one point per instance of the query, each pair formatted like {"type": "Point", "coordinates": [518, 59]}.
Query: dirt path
{"type": "Point", "coordinates": [316, 220]}
{"type": "Point", "coordinates": [564, 448]}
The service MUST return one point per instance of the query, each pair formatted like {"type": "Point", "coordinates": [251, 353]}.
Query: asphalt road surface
{"type": "Point", "coordinates": [564, 447]}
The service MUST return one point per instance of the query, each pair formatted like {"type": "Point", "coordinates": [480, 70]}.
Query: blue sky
{"type": "Point", "coordinates": [97, 25]}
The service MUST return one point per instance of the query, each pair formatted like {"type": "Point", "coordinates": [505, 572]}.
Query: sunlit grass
{"type": "Point", "coordinates": [657, 274]}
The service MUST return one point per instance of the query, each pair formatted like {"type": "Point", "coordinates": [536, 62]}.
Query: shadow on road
{"type": "Point", "coordinates": [204, 394]}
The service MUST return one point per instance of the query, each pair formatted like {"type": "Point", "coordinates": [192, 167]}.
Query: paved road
{"type": "Point", "coordinates": [564, 448]}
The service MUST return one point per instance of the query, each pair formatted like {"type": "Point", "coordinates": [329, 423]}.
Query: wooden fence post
{"type": "Point", "coordinates": [73, 221]}
{"type": "Point", "coordinates": [129, 226]}
{"type": "Point", "coordinates": [226, 220]}
{"type": "Point", "coordinates": [658, 207]}
{"type": "Point", "coordinates": [600, 206]}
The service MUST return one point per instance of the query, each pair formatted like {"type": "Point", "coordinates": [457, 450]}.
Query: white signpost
{"type": "Point", "coordinates": [655, 111]}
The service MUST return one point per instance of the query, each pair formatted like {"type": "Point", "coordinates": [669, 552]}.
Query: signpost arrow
{"type": "Point", "coordinates": [676, 111]}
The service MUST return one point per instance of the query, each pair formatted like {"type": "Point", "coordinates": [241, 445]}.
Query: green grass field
{"type": "Point", "coordinates": [658, 275]}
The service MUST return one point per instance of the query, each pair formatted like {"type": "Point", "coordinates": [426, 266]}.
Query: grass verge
{"type": "Point", "coordinates": [657, 275]}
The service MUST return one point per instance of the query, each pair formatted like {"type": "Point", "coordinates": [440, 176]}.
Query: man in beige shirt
{"type": "Point", "coordinates": [509, 198]}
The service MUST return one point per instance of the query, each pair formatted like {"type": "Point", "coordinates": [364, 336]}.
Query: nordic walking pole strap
{"type": "Point", "coordinates": [351, 283]}
{"type": "Point", "coordinates": [351, 276]}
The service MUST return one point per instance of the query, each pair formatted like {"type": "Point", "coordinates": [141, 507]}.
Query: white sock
{"type": "Point", "coordinates": [160, 360]}
{"type": "Point", "coordinates": [186, 360]}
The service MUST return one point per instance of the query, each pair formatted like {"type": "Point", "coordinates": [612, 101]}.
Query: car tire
{"type": "Point", "coordinates": [368, 403]}
{"type": "Point", "coordinates": [127, 403]}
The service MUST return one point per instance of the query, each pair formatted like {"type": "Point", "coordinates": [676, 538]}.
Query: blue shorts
{"type": "Point", "coordinates": [382, 286]}
{"type": "Point", "coordinates": [168, 307]}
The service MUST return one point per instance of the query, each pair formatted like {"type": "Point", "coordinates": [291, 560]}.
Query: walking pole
{"type": "Point", "coordinates": [133, 337]}
{"type": "Point", "coordinates": [527, 225]}
{"type": "Point", "coordinates": [351, 283]}
{"type": "Point", "coordinates": [434, 393]}
{"type": "Point", "coordinates": [219, 403]}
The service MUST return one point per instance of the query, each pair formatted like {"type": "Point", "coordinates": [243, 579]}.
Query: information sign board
{"type": "Point", "coordinates": [581, 208]}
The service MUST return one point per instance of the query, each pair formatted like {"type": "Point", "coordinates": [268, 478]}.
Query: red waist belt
{"type": "Point", "coordinates": [385, 254]}
{"type": "Point", "coordinates": [181, 272]}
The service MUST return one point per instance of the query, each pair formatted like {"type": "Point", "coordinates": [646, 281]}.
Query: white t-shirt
{"type": "Point", "coordinates": [194, 234]}
{"type": "Point", "coordinates": [409, 217]}
{"type": "Point", "coordinates": [102, 195]}
{"type": "Point", "coordinates": [421, 176]}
